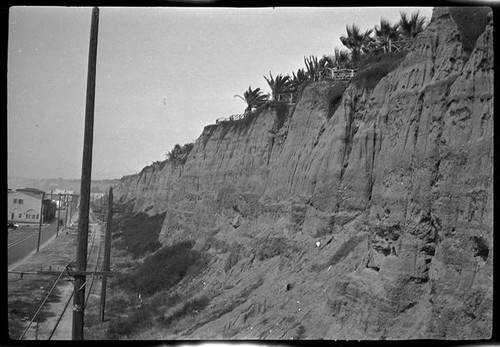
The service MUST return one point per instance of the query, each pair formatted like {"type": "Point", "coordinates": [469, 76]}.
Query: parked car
{"type": "Point", "coordinates": [12, 225]}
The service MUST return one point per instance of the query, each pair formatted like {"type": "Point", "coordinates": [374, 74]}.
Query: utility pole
{"type": "Point", "coordinates": [70, 208]}
{"type": "Point", "coordinates": [66, 210]}
{"type": "Point", "coordinates": [83, 220]}
{"type": "Point", "coordinates": [107, 253]}
{"type": "Point", "coordinates": [40, 223]}
{"type": "Point", "coordinates": [75, 203]}
{"type": "Point", "coordinates": [58, 213]}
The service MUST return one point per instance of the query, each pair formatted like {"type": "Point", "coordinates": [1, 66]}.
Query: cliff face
{"type": "Point", "coordinates": [395, 184]}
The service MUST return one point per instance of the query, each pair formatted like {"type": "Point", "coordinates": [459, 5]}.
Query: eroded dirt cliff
{"type": "Point", "coordinates": [365, 217]}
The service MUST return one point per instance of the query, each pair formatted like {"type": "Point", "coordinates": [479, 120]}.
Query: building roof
{"type": "Point", "coordinates": [36, 193]}
{"type": "Point", "coordinates": [31, 190]}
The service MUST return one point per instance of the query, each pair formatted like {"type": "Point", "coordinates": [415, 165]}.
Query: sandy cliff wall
{"type": "Point", "coordinates": [396, 180]}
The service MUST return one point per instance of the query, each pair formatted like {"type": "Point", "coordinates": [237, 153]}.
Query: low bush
{"type": "Point", "coordinates": [178, 155]}
{"type": "Point", "coordinates": [193, 306]}
{"type": "Point", "coordinates": [373, 68]}
{"type": "Point", "coordinates": [140, 232]}
{"type": "Point", "coordinates": [117, 305]}
{"type": "Point", "coordinates": [163, 299]}
{"type": "Point", "coordinates": [300, 333]}
{"type": "Point", "coordinates": [164, 269]}
{"type": "Point", "coordinates": [139, 319]}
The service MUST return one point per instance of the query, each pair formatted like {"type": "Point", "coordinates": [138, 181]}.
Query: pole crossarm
{"type": "Point", "coordinates": [67, 273]}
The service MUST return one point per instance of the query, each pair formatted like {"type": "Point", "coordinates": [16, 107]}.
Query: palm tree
{"type": "Point", "coordinates": [341, 57]}
{"type": "Point", "coordinates": [298, 81]}
{"type": "Point", "coordinates": [278, 85]}
{"type": "Point", "coordinates": [312, 68]}
{"type": "Point", "coordinates": [385, 33]}
{"type": "Point", "coordinates": [409, 27]}
{"type": "Point", "coordinates": [253, 98]}
{"type": "Point", "coordinates": [356, 41]}
{"type": "Point", "coordinates": [317, 69]}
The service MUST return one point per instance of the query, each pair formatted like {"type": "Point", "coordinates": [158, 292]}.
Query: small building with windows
{"type": "Point", "coordinates": [24, 205]}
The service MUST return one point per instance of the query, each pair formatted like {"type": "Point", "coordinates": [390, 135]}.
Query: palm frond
{"type": "Point", "coordinates": [253, 98]}
{"type": "Point", "coordinates": [278, 85]}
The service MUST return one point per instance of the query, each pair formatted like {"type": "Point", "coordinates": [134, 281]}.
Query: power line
{"type": "Point", "coordinates": [44, 300]}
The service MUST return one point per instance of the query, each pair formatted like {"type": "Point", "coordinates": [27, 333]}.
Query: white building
{"type": "Point", "coordinates": [24, 205]}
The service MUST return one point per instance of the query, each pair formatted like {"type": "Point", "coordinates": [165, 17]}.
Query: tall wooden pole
{"type": "Point", "coordinates": [107, 253]}
{"type": "Point", "coordinates": [66, 206]}
{"type": "Point", "coordinates": [74, 202]}
{"type": "Point", "coordinates": [58, 213]}
{"type": "Point", "coordinates": [83, 220]}
{"type": "Point", "coordinates": [40, 224]}
{"type": "Point", "coordinates": [70, 209]}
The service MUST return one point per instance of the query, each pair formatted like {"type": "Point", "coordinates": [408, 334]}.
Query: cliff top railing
{"type": "Point", "coordinates": [231, 118]}
{"type": "Point", "coordinates": [289, 98]}
{"type": "Point", "coordinates": [391, 46]}
{"type": "Point", "coordinates": [341, 74]}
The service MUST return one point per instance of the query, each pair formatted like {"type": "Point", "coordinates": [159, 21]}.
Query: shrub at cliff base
{"type": "Point", "coordinates": [373, 68]}
{"type": "Point", "coordinates": [192, 306]}
{"type": "Point", "coordinates": [139, 232]}
{"type": "Point", "coordinates": [145, 317]}
{"type": "Point", "coordinates": [163, 269]}
{"type": "Point", "coordinates": [156, 275]}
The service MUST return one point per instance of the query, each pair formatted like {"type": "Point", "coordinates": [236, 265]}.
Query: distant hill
{"type": "Point", "coordinates": [48, 184]}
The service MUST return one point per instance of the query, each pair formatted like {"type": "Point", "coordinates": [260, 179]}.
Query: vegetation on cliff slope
{"type": "Point", "coordinates": [381, 48]}
{"type": "Point", "coordinates": [163, 269]}
{"type": "Point", "coordinates": [138, 233]}
{"type": "Point", "coordinates": [373, 68]}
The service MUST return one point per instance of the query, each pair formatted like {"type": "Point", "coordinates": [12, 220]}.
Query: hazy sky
{"type": "Point", "coordinates": [162, 75]}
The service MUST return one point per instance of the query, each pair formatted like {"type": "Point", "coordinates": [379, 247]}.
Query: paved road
{"type": "Point", "coordinates": [23, 241]}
